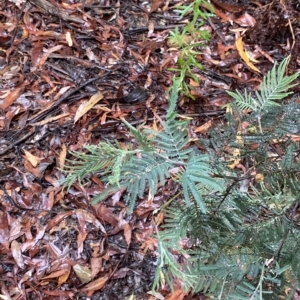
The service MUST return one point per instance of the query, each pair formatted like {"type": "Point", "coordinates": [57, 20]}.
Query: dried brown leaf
{"type": "Point", "coordinates": [106, 215]}
{"type": "Point", "coordinates": [62, 156]}
{"type": "Point", "coordinates": [4, 230]}
{"type": "Point", "coordinates": [176, 295]}
{"type": "Point", "coordinates": [63, 278]}
{"type": "Point", "coordinates": [13, 96]}
{"type": "Point", "coordinates": [244, 55]}
{"type": "Point", "coordinates": [34, 160]}
{"type": "Point", "coordinates": [86, 106]}
{"type": "Point", "coordinates": [82, 233]}
{"type": "Point", "coordinates": [96, 284]}
{"type": "Point", "coordinates": [58, 218]}
{"type": "Point", "coordinates": [51, 119]}
{"type": "Point", "coordinates": [127, 231]}
{"type": "Point", "coordinates": [46, 55]}
{"type": "Point", "coordinates": [57, 274]}
{"type": "Point", "coordinates": [96, 265]}
{"type": "Point", "coordinates": [245, 20]}
{"type": "Point", "coordinates": [204, 128]}
{"type": "Point", "coordinates": [88, 217]}
{"type": "Point", "coordinates": [16, 253]}
{"type": "Point", "coordinates": [156, 4]}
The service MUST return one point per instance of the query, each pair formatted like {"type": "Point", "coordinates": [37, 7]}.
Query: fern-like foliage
{"type": "Point", "coordinates": [244, 237]}
{"type": "Point", "coordinates": [237, 253]}
{"type": "Point", "coordinates": [232, 233]}
{"type": "Point", "coordinates": [274, 87]}
{"type": "Point", "coordinates": [105, 157]}
{"type": "Point", "coordinates": [148, 165]}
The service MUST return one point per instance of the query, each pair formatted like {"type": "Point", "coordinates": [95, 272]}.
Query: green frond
{"type": "Point", "coordinates": [173, 97]}
{"type": "Point", "coordinates": [274, 87]}
{"type": "Point", "coordinates": [172, 142]}
{"type": "Point", "coordinates": [141, 138]}
{"type": "Point", "coordinates": [141, 172]}
{"type": "Point", "coordinates": [197, 171]}
{"type": "Point", "coordinates": [103, 157]}
{"type": "Point", "coordinates": [245, 101]}
{"type": "Point", "coordinates": [235, 230]}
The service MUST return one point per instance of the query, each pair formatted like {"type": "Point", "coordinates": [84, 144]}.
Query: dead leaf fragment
{"type": "Point", "coordinates": [83, 273]}
{"type": "Point", "coordinates": [31, 158]}
{"type": "Point", "coordinates": [176, 295]}
{"type": "Point", "coordinates": [244, 54]}
{"type": "Point", "coordinates": [12, 96]}
{"type": "Point", "coordinates": [63, 278]}
{"type": "Point", "coordinates": [96, 265]}
{"type": "Point", "coordinates": [62, 156]}
{"type": "Point", "coordinates": [49, 120]}
{"type": "Point", "coordinates": [86, 106]}
{"type": "Point", "coordinates": [18, 2]}
{"type": "Point", "coordinates": [245, 20]}
{"type": "Point", "coordinates": [127, 231]}
{"type": "Point", "coordinates": [204, 128]}
{"type": "Point", "coordinates": [69, 39]}
{"type": "Point", "coordinates": [88, 217]}
{"type": "Point", "coordinates": [47, 54]}
{"type": "Point", "coordinates": [4, 228]}
{"type": "Point", "coordinates": [259, 177]}
{"type": "Point", "coordinates": [96, 284]}
{"type": "Point", "coordinates": [156, 4]}
{"type": "Point", "coordinates": [57, 274]}
{"type": "Point", "coordinates": [16, 253]}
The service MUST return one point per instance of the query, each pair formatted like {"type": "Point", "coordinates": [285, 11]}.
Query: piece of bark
{"type": "Point", "coordinates": [53, 10]}
{"type": "Point", "coordinates": [233, 8]}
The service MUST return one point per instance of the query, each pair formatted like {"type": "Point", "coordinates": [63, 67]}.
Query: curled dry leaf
{"type": "Point", "coordinates": [86, 106]}
{"type": "Point", "coordinates": [47, 54]}
{"type": "Point", "coordinates": [49, 120]}
{"type": "Point", "coordinates": [88, 217]}
{"type": "Point", "coordinates": [57, 274]}
{"type": "Point", "coordinates": [62, 156]}
{"type": "Point", "coordinates": [96, 284]}
{"type": "Point", "coordinates": [16, 253]}
{"type": "Point", "coordinates": [246, 20]}
{"type": "Point", "coordinates": [63, 278]}
{"type": "Point", "coordinates": [4, 228]}
{"type": "Point", "coordinates": [34, 160]}
{"type": "Point", "coordinates": [127, 231]}
{"type": "Point", "coordinates": [176, 295]}
{"type": "Point", "coordinates": [244, 55]}
{"type": "Point", "coordinates": [13, 96]}
{"type": "Point", "coordinates": [156, 4]}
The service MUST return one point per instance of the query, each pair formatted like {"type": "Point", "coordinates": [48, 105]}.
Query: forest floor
{"type": "Point", "coordinates": [53, 58]}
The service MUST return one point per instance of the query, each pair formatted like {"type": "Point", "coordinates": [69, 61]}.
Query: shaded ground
{"type": "Point", "coordinates": [53, 242]}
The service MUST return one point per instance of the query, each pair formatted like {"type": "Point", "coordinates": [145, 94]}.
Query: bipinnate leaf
{"type": "Point", "coordinates": [274, 87]}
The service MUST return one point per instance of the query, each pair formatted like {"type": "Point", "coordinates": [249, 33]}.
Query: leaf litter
{"type": "Point", "coordinates": [69, 71]}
